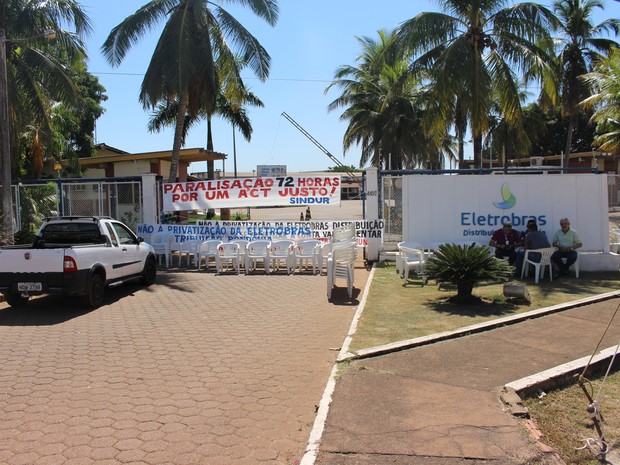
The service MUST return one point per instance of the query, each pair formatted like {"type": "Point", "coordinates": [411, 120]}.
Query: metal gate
{"type": "Point", "coordinates": [391, 208]}
{"type": "Point", "coordinates": [35, 200]}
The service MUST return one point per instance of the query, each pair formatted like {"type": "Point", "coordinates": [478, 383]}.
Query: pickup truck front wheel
{"type": "Point", "coordinates": [16, 300]}
{"type": "Point", "coordinates": [94, 296]}
{"type": "Point", "coordinates": [150, 272]}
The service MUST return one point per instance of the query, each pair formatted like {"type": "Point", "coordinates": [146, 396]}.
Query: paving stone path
{"type": "Point", "coordinates": [197, 369]}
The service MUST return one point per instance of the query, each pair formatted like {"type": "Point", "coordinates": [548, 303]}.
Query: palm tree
{"type": "Point", "coordinates": [472, 52]}
{"type": "Point", "coordinates": [605, 79]}
{"type": "Point", "coordinates": [231, 101]}
{"type": "Point", "coordinates": [581, 45]}
{"type": "Point", "coordinates": [184, 67]}
{"type": "Point", "coordinates": [384, 105]}
{"type": "Point", "coordinates": [37, 71]}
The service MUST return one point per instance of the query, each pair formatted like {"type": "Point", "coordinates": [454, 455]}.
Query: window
{"type": "Point", "coordinates": [125, 236]}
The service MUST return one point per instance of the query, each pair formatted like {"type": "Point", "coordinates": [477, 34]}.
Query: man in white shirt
{"type": "Point", "coordinates": [567, 241]}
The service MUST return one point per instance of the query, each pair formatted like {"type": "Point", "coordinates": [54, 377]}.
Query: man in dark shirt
{"type": "Point", "coordinates": [534, 239]}
{"type": "Point", "coordinates": [505, 241]}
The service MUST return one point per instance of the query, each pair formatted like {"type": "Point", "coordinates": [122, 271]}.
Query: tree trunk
{"type": "Point", "coordinates": [478, 151]}
{"type": "Point", "coordinates": [178, 137]}
{"type": "Point", "coordinates": [569, 141]}
{"type": "Point", "coordinates": [460, 126]}
{"type": "Point", "coordinates": [211, 163]}
{"type": "Point", "coordinates": [464, 291]}
{"type": "Point", "coordinates": [6, 235]}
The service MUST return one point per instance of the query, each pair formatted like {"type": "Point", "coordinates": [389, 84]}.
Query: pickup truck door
{"type": "Point", "coordinates": [133, 255]}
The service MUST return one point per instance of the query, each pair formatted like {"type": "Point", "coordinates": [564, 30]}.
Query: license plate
{"type": "Point", "coordinates": [24, 287]}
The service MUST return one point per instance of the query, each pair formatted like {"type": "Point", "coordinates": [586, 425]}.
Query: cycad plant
{"type": "Point", "coordinates": [465, 266]}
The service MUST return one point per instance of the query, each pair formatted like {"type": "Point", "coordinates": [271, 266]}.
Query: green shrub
{"type": "Point", "coordinates": [465, 266]}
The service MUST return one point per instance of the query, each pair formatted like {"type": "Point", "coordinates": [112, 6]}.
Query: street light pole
{"type": "Point", "coordinates": [5, 148]}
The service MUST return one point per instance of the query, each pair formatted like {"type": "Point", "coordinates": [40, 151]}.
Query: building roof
{"type": "Point", "coordinates": [186, 155]}
{"type": "Point", "coordinates": [107, 148]}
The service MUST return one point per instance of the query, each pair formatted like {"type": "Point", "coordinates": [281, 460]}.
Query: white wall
{"type": "Point", "coordinates": [132, 168]}
{"type": "Point", "coordinates": [465, 208]}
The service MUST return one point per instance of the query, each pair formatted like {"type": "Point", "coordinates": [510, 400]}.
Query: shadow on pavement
{"type": "Point", "coordinates": [45, 311]}
{"type": "Point", "coordinates": [56, 308]}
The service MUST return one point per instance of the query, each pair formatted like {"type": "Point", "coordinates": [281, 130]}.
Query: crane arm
{"type": "Point", "coordinates": [319, 145]}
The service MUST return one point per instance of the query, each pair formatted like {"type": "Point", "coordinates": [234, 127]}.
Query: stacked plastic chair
{"type": "Point", "coordinates": [341, 261]}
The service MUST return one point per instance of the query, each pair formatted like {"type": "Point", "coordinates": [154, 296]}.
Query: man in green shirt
{"type": "Point", "coordinates": [567, 241]}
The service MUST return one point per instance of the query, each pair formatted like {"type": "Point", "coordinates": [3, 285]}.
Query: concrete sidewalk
{"type": "Point", "coordinates": [439, 403]}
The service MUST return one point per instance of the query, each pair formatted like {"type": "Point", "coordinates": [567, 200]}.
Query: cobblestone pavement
{"type": "Point", "coordinates": [197, 369]}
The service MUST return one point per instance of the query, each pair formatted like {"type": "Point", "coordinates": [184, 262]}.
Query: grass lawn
{"type": "Point", "coordinates": [395, 312]}
{"type": "Point", "coordinates": [561, 416]}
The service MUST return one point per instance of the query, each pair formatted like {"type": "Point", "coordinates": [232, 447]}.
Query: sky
{"type": "Point", "coordinates": [307, 45]}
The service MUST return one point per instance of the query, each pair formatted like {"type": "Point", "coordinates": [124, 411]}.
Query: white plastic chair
{"type": "Point", "coordinates": [410, 258]}
{"type": "Point", "coordinates": [344, 233]}
{"type": "Point", "coordinates": [189, 249]}
{"type": "Point", "coordinates": [281, 251]}
{"type": "Point", "coordinates": [243, 246]}
{"type": "Point", "coordinates": [208, 251]}
{"type": "Point", "coordinates": [227, 254]}
{"type": "Point", "coordinates": [539, 267]}
{"type": "Point", "coordinates": [307, 251]}
{"type": "Point", "coordinates": [401, 258]}
{"type": "Point", "coordinates": [324, 253]}
{"type": "Point", "coordinates": [574, 266]}
{"type": "Point", "coordinates": [257, 251]}
{"type": "Point", "coordinates": [162, 246]}
{"type": "Point", "coordinates": [341, 264]}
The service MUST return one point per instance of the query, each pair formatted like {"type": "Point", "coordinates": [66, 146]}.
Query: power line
{"type": "Point", "coordinates": [326, 81]}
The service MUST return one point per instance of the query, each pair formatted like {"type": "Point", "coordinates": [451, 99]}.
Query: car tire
{"type": "Point", "coordinates": [16, 300]}
{"type": "Point", "coordinates": [95, 293]}
{"type": "Point", "coordinates": [149, 274]}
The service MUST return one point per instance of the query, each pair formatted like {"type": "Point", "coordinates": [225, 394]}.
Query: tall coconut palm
{"type": "Point", "coordinates": [37, 70]}
{"type": "Point", "coordinates": [474, 51]}
{"type": "Point", "coordinates": [605, 80]}
{"type": "Point", "coordinates": [197, 34]}
{"type": "Point", "coordinates": [580, 45]}
{"type": "Point", "coordinates": [231, 102]}
{"type": "Point", "coordinates": [384, 105]}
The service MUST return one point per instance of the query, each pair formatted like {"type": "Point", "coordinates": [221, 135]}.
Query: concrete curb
{"type": "Point", "coordinates": [314, 440]}
{"type": "Point", "coordinates": [562, 375]}
{"type": "Point", "coordinates": [473, 329]}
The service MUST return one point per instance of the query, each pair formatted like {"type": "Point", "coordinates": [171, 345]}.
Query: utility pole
{"type": "Point", "coordinates": [5, 147]}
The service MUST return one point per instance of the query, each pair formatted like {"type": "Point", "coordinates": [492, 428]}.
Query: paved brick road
{"type": "Point", "coordinates": [198, 369]}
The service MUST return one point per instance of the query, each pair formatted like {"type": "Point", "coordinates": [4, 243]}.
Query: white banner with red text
{"type": "Point", "coordinates": [252, 192]}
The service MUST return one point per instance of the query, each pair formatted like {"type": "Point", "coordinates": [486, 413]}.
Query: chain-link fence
{"type": "Point", "coordinates": [32, 201]}
{"type": "Point", "coordinates": [391, 209]}
{"type": "Point", "coordinates": [120, 200]}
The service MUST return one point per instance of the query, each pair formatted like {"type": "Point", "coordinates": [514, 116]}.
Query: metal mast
{"type": "Point", "coordinates": [318, 144]}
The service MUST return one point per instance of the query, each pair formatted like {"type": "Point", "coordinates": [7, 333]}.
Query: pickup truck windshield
{"type": "Point", "coordinates": [71, 234]}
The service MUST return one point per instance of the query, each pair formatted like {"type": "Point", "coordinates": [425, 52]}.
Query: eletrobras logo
{"type": "Point", "coordinates": [509, 200]}
{"type": "Point", "coordinates": [477, 219]}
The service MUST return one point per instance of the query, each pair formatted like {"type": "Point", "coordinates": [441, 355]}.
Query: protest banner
{"type": "Point", "coordinates": [252, 192]}
{"type": "Point", "coordinates": [263, 230]}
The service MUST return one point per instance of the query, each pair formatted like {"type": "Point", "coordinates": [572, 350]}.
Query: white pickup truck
{"type": "Point", "coordinates": [75, 256]}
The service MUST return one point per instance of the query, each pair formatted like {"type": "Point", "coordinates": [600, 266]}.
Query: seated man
{"type": "Point", "coordinates": [534, 239]}
{"type": "Point", "coordinates": [567, 241]}
{"type": "Point", "coordinates": [523, 235]}
{"type": "Point", "coordinates": [505, 241]}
